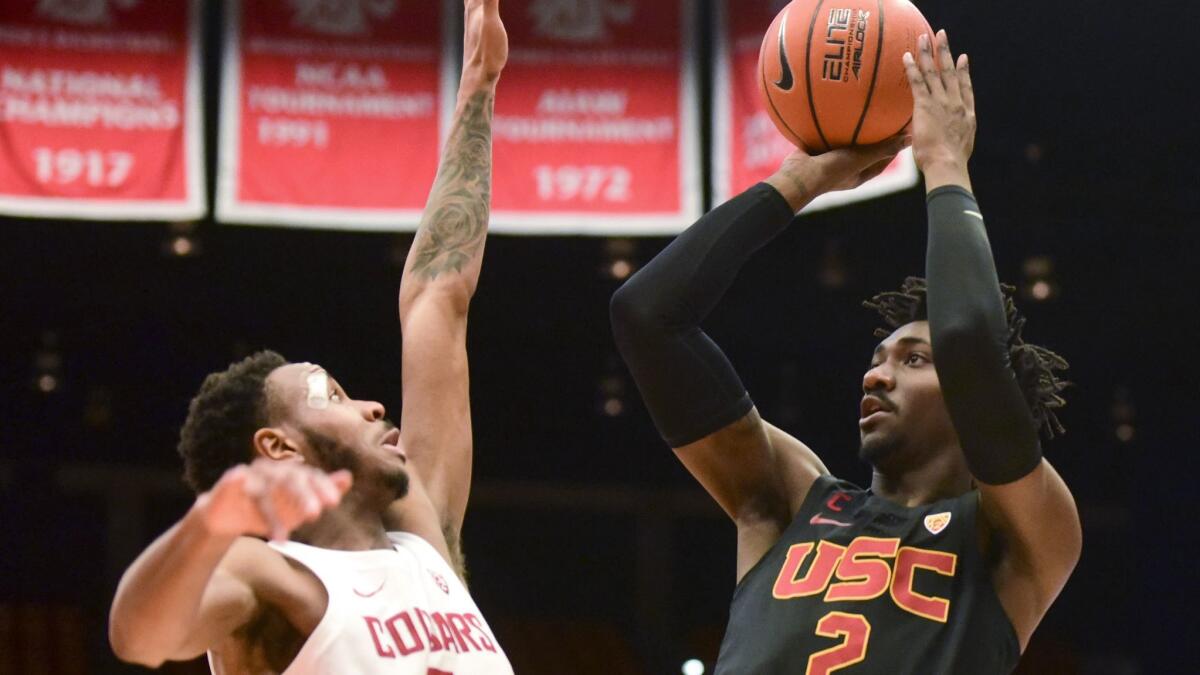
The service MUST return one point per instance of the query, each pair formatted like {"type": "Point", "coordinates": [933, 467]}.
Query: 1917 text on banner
{"type": "Point", "coordinates": [100, 112]}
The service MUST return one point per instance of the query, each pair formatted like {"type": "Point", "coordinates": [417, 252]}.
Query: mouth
{"type": "Point", "coordinates": [872, 406]}
{"type": "Point", "coordinates": [391, 443]}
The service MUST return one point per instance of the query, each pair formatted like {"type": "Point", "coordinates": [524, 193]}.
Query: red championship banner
{"type": "Point", "coordinates": [595, 129]}
{"type": "Point", "coordinates": [746, 145]}
{"type": "Point", "coordinates": [331, 111]}
{"type": "Point", "coordinates": [100, 111]}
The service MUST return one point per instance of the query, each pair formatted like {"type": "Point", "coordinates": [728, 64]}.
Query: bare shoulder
{"type": "Point", "coordinates": [290, 602]}
{"type": "Point", "coordinates": [251, 560]}
{"type": "Point", "coordinates": [277, 581]}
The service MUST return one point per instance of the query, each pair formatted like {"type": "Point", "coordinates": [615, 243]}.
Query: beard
{"type": "Point", "coordinates": [877, 448]}
{"type": "Point", "coordinates": [333, 456]}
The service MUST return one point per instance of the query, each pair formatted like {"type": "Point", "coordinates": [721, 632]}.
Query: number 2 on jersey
{"type": "Point", "coordinates": [854, 631]}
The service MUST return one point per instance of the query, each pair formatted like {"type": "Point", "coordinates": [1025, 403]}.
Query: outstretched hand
{"type": "Point", "coordinates": [943, 126]}
{"type": "Point", "coordinates": [485, 43]}
{"type": "Point", "coordinates": [270, 498]}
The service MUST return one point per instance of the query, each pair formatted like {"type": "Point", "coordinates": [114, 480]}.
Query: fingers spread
{"type": "Point", "coordinates": [929, 69]}
{"type": "Point", "coordinates": [964, 83]}
{"type": "Point", "coordinates": [915, 79]}
{"type": "Point", "coordinates": [945, 64]}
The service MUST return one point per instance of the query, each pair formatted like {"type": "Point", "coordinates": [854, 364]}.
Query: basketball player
{"type": "Point", "coordinates": [362, 570]}
{"type": "Point", "coordinates": [966, 535]}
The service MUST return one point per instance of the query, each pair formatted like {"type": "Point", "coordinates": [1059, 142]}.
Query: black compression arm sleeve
{"type": "Point", "coordinates": [689, 386]}
{"type": "Point", "coordinates": [970, 343]}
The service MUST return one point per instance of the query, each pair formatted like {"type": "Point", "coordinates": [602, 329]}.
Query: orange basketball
{"type": "Point", "coordinates": [832, 73]}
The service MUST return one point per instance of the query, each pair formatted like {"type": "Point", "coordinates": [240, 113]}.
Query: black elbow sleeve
{"type": "Point", "coordinates": [969, 331]}
{"type": "Point", "coordinates": [689, 387]}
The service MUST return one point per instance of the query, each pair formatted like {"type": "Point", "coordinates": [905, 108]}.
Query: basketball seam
{"type": "Point", "coordinates": [812, 25]}
{"type": "Point", "coordinates": [762, 72]}
{"type": "Point", "coordinates": [874, 77]}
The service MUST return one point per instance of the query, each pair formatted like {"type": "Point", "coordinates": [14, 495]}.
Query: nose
{"type": "Point", "coordinates": [372, 411]}
{"type": "Point", "coordinates": [879, 377]}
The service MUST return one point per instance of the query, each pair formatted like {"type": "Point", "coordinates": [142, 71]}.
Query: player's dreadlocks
{"type": "Point", "coordinates": [223, 417]}
{"type": "Point", "coordinates": [1035, 366]}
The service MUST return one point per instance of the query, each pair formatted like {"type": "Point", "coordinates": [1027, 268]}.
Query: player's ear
{"type": "Point", "coordinates": [274, 443]}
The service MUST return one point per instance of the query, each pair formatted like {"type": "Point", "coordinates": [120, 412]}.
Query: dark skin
{"type": "Point", "coordinates": [760, 475]}
{"type": "Point", "coordinates": [906, 432]}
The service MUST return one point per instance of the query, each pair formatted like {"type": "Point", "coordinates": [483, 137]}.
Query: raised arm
{"type": "Point", "coordinates": [198, 582]}
{"type": "Point", "coordinates": [1023, 499]}
{"type": "Point", "coordinates": [758, 474]}
{"type": "Point", "coordinates": [440, 276]}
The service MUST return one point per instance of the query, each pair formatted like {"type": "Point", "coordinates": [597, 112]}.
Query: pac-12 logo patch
{"type": "Point", "coordinates": [936, 522]}
{"type": "Point", "coordinates": [440, 581]}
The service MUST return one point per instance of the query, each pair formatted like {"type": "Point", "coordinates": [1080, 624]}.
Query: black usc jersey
{"type": "Point", "coordinates": [859, 585]}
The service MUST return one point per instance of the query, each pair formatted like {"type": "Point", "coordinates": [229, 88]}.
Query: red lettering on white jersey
{"type": "Point", "coordinates": [398, 634]}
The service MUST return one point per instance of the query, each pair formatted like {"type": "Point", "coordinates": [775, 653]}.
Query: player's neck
{"type": "Point", "coordinates": [353, 525]}
{"type": "Point", "coordinates": [940, 476]}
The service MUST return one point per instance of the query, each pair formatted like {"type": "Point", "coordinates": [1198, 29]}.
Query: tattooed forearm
{"type": "Point", "coordinates": [801, 191]}
{"type": "Point", "coordinates": [454, 225]}
{"type": "Point", "coordinates": [792, 183]}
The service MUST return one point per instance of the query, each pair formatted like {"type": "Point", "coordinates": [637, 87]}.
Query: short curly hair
{"type": "Point", "coordinates": [1035, 366]}
{"type": "Point", "coordinates": [222, 418]}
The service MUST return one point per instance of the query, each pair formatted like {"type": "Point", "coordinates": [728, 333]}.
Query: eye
{"type": "Point", "coordinates": [336, 397]}
{"type": "Point", "coordinates": [915, 358]}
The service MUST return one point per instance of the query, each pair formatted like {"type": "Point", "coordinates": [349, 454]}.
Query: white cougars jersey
{"type": "Point", "coordinates": [400, 611]}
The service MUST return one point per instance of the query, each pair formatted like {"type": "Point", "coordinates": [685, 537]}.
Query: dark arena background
{"type": "Point", "coordinates": [590, 548]}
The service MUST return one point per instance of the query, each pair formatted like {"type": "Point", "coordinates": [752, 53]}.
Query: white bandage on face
{"type": "Point", "coordinates": [318, 390]}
